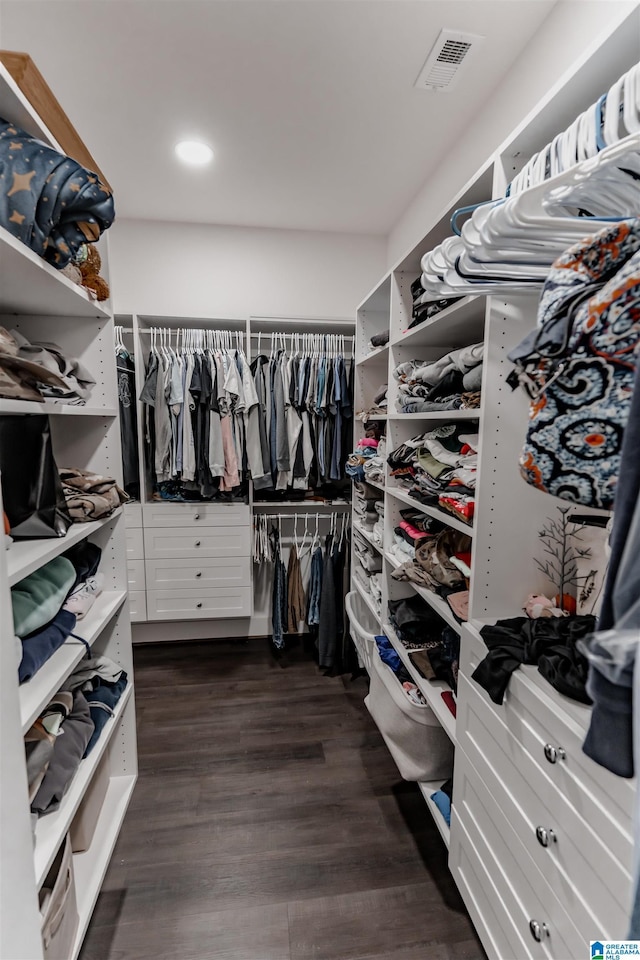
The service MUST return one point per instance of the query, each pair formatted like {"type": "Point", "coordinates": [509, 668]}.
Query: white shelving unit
{"type": "Point", "coordinates": [504, 786]}
{"type": "Point", "coordinates": [42, 304]}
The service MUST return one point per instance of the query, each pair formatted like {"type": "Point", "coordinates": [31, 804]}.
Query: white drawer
{"type": "Point", "coordinates": [137, 605]}
{"type": "Point", "coordinates": [544, 716]}
{"type": "Point", "coordinates": [202, 574]}
{"type": "Point", "coordinates": [135, 575]}
{"type": "Point", "coordinates": [187, 515]}
{"type": "Point", "coordinates": [199, 604]}
{"type": "Point", "coordinates": [173, 543]}
{"type": "Point", "coordinates": [496, 929]}
{"type": "Point", "coordinates": [133, 514]}
{"type": "Point", "coordinates": [520, 886]}
{"type": "Point", "coordinates": [135, 544]}
{"type": "Point", "coordinates": [572, 864]}
{"type": "Point", "coordinates": [547, 793]}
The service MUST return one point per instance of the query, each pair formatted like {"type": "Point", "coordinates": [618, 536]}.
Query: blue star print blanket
{"type": "Point", "coordinates": [47, 200]}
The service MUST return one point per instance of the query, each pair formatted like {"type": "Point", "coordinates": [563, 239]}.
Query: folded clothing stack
{"type": "Point", "coordinates": [367, 460]}
{"type": "Point", "coordinates": [434, 647]}
{"type": "Point", "coordinates": [443, 799]}
{"type": "Point", "coordinates": [47, 604]}
{"type": "Point", "coordinates": [68, 729]}
{"type": "Point", "coordinates": [41, 371]}
{"type": "Point", "coordinates": [378, 528]}
{"type": "Point", "coordinates": [439, 469]}
{"type": "Point", "coordinates": [441, 563]}
{"type": "Point", "coordinates": [452, 382]}
{"type": "Point", "coordinates": [364, 505]}
{"type": "Point", "coordinates": [378, 340]}
{"type": "Point", "coordinates": [424, 307]}
{"type": "Point", "coordinates": [367, 568]}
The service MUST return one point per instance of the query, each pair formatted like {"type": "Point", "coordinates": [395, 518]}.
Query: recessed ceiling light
{"type": "Point", "coordinates": [194, 152]}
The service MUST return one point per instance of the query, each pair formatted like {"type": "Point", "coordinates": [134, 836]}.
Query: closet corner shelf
{"type": "Point", "coordinates": [430, 689]}
{"type": "Point", "coordinates": [376, 355]}
{"type": "Point", "coordinates": [55, 409]}
{"type": "Point", "coordinates": [51, 829]}
{"type": "Point", "coordinates": [90, 866]}
{"type": "Point", "coordinates": [458, 325]}
{"type": "Point", "coordinates": [428, 787]}
{"type": "Point", "coordinates": [447, 518]}
{"type": "Point", "coordinates": [366, 596]}
{"type": "Point", "coordinates": [36, 693]}
{"type": "Point", "coordinates": [367, 536]}
{"type": "Point", "coordinates": [25, 556]}
{"type": "Point", "coordinates": [31, 286]}
{"type": "Point", "coordinates": [440, 606]}
{"type": "Point", "coordinates": [434, 415]}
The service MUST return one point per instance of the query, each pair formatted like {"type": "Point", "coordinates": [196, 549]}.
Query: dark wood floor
{"type": "Point", "coordinates": [269, 823]}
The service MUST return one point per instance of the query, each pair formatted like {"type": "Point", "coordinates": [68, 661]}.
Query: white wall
{"type": "Point", "coordinates": [201, 270]}
{"type": "Point", "coordinates": [572, 27]}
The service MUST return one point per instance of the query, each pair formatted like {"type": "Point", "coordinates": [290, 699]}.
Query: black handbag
{"type": "Point", "coordinates": [31, 489]}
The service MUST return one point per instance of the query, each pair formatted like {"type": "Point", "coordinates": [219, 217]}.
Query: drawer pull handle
{"type": "Point", "coordinates": [198, 543]}
{"type": "Point", "coordinates": [553, 754]}
{"type": "Point", "coordinates": [538, 930]}
{"type": "Point", "coordinates": [198, 605]}
{"type": "Point", "coordinates": [545, 837]}
{"type": "Point", "coordinates": [196, 516]}
{"type": "Point", "coordinates": [199, 573]}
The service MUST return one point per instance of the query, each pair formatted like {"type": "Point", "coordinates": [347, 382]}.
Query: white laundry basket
{"type": "Point", "coordinates": [364, 628]}
{"type": "Point", "coordinates": [411, 731]}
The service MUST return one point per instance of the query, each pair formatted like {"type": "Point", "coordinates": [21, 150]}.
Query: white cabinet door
{"type": "Point", "coordinates": [200, 574]}
{"type": "Point", "coordinates": [174, 543]}
{"type": "Point", "coordinates": [199, 604]}
{"type": "Point", "coordinates": [187, 516]}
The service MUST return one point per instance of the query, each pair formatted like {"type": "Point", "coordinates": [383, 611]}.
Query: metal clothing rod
{"type": "Point", "coordinates": [300, 516]}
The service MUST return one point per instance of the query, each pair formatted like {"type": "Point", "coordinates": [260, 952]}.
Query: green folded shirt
{"type": "Point", "coordinates": [38, 598]}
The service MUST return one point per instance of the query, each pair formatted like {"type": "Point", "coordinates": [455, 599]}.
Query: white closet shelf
{"type": "Point", "coordinates": [31, 286]}
{"type": "Point", "coordinates": [376, 356]}
{"type": "Point", "coordinates": [25, 556]}
{"type": "Point", "coordinates": [430, 689]}
{"type": "Point", "coordinates": [55, 409]}
{"type": "Point", "coordinates": [90, 866]}
{"type": "Point", "coordinates": [36, 693]}
{"type": "Point", "coordinates": [51, 829]}
{"type": "Point", "coordinates": [372, 416]}
{"type": "Point", "coordinates": [442, 515]}
{"type": "Point", "coordinates": [457, 326]}
{"type": "Point", "coordinates": [367, 536]}
{"type": "Point", "coordinates": [434, 415]}
{"type": "Point", "coordinates": [440, 606]}
{"type": "Point", "coordinates": [427, 787]}
{"type": "Point", "coordinates": [368, 599]}
{"type": "Point", "coordinates": [303, 505]}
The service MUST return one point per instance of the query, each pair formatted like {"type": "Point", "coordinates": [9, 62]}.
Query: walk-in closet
{"type": "Point", "coordinates": [319, 431]}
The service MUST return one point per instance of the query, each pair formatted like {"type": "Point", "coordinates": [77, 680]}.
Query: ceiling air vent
{"type": "Point", "coordinates": [450, 54]}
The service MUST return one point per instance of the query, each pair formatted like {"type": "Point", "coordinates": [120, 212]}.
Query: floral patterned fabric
{"type": "Point", "coordinates": [581, 368]}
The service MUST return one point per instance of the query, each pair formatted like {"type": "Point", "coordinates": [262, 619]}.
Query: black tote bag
{"type": "Point", "coordinates": [31, 489]}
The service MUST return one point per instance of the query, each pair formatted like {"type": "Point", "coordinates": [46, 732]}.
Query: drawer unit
{"type": "Point", "coordinates": [133, 514]}
{"type": "Point", "coordinates": [535, 910]}
{"type": "Point", "coordinates": [210, 572]}
{"type": "Point", "coordinates": [135, 544]}
{"type": "Point", "coordinates": [137, 605]}
{"type": "Point", "coordinates": [546, 800]}
{"type": "Point", "coordinates": [185, 516]}
{"type": "Point", "coordinates": [563, 850]}
{"type": "Point", "coordinates": [135, 575]}
{"type": "Point", "coordinates": [174, 543]}
{"type": "Point", "coordinates": [548, 723]}
{"type": "Point", "coordinates": [199, 604]}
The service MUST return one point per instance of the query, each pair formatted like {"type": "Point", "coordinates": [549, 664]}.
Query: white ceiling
{"type": "Point", "coordinates": [309, 104]}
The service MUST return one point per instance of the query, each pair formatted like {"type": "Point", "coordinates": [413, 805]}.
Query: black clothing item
{"type": "Point", "coordinates": [445, 656]}
{"type": "Point", "coordinates": [549, 641]}
{"type": "Point", "coordinates": [379, 339]}
{"type": "Point", "coordinates": [85, 557]}
{"type": "Point", "coordinates": [447, 787]}
{"type": "Point", "coordinates": [125, 369]}
{"type": "Point", "coordinates": [68, 750]}
{"type": "Point", "coordinates": [414, 620]}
